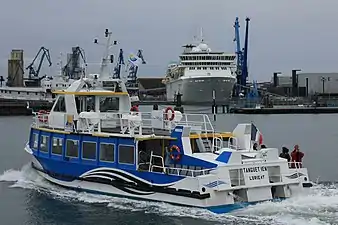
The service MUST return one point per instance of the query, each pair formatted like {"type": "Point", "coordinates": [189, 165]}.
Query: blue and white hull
{"type": "Point", "coordinates": [114, 182]}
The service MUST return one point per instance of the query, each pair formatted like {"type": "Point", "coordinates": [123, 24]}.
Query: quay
{"type": "Point", "coordinates": [21, 107]}
{"type": "Point", "coordinates": [286, 110]}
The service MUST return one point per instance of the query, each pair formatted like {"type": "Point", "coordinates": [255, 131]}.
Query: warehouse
{"type": "Point", "coordinates": [321, 83]}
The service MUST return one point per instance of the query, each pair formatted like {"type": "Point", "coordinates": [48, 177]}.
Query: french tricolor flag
{"type": "Point", "coordinates": [256, 135]}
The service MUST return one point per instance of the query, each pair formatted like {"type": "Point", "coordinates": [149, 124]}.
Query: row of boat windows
{"type": "Point", "coordinates": [85, 103]}
{"type": "Point", "coordinates": [106, 151]}
{"type": "Point", "coordinates": [231, 58]}
{"type": "Point", "coordinates": [208, 68]}
{"type": "Point", "coordinates": [18, 92]}
{"type": "Point", "coordinates": [206, 63]}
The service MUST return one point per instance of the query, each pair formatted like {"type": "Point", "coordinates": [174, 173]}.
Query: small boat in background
{"type": "Point", "coordinates": [95, 140]}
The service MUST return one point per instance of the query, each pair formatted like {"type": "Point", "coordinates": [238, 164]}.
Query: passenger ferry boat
{"type": "Point", "coordinates": [94, 140]}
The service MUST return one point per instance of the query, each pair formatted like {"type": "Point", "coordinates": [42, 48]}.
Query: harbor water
{"type": "Point", "coordinates": [25, 198]}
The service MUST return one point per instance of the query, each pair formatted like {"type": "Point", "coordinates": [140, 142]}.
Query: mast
{"type": "Point", "coordinates": [201, 33]}
{"type": "Point", "coordinates": [104, 70]}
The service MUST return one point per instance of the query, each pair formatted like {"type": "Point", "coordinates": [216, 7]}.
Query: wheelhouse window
{"type": "Point", "coordinates": [108, 104]}
{"type": "Point", "coordinates": [57, 146]}
{"type": "Point", "coordinates": [44, 143]}
{"type": "Point", "coordinates": [72, 148]}
{"type": "Point", "coordinates": [126, 154]}
{"type": "Point", "coordinates": [107, 152]}
{"type": "Point", "coordinates": [85, 103]}
{"type": "Point", "coordinates": [89, 150]}
{"type": "Point", "coordinates": [34, 141]}
{"type": "Point", "coordinates": [60, 104]}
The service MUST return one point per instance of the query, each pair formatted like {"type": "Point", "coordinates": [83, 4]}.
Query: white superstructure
{"type": "Point", "coordinates": [200, 72]}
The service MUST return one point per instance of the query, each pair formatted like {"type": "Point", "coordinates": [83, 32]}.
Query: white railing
{"type": "Point", "coordinates": [233, 143]}
{"type": "Point", "coordinates": [40, 119]}
{"type": "Point", "coordinates": [181, 171]}
{"type": "Point", "coordinates": [133, 122]}
{"type": "Point", "coordinates": [173, 170]}
{"type": "Point", "coordinates": [295, 165]}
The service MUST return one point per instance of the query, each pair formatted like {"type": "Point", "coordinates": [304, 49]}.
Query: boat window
{"type": "Point", "coordinates": [57, 146]}
{"type": "Point", "coordinates": [85, 103]}
{"type": "Point", "coordinates": [72, 148]}
{"type": "Point", "coordinates": [107, 152]}
{"type": "Point", "coordinates": [60, 106]}
{"type": "Point", "coordinates": [34, 141]}
{"type": "Point", "coordinates": [89, 150]}
{"type": "Point", "coordinates": [126, 154]}
{"type": "Point", "coordinates": [157, 148]}
{"type": "Point", "coordinates": [44, 143]}
{"type": "Point", "coordinates": [109, 104]}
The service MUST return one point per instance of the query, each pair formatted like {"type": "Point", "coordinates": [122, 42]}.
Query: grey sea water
{"type": "Point", "coordinates": [25, 198]}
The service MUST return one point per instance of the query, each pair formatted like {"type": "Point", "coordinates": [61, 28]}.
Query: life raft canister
{"type": "Point", "coordinates": [42, 116]}
{"type": "Point", "coordinates": [166, 114]}
{"type": "Point", "coordinates": [175, 153]}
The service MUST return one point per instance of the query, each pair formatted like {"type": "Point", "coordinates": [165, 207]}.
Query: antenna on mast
{"type": "Point", "coordinates": [201, 33]}
{"type": "Point", "coordinates": [104, 72]}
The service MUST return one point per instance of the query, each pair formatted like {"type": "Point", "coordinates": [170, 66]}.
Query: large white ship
{"type": "Point", "coordinates": [200, 74]}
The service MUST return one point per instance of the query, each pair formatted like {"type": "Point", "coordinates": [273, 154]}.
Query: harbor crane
{"type": "Point", "coordinates": [34, 73]}
{"type": "Point", "coordinates": [117, 68]}
{"type": "Point", "coordinates": [72, 69]}
{"type": "Point", "coordinates": [133, 69]}
{"type": "Point", "coordinates": [242, 57]}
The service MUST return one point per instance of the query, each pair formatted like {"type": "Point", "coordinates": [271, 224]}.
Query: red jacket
{"type": "Point", "coordinates": [296, 157]}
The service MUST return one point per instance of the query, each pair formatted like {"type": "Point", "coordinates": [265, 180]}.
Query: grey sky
{"type": "Point", "coordinates": [283, 34]}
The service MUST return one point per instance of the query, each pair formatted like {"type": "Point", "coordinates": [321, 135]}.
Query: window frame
{"type": "Point", "coordinates": [47, 143]}
{"type": "Point", "coordinates": [127, 145]}
{"type": "Point", "coordinates": [60, 138]}
{"type": "Point", "coordinates": [85, 141]}
{"type": "Point", "coordinates": [114, 148]}
{"type": "Point", "coordinates": [78, 146]}
{"type": "Point", "coordinates": [32, 144]}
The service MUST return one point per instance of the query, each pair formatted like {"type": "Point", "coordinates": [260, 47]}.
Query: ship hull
{"type": "Point", "coordinates": [200, 89]}
{"type": "Point", "coordinates": [81, 184]}
{"type": "Point", "coordinates": [109, 190]}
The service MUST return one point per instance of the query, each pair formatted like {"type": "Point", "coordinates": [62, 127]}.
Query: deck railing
{"type": "Point", "coordinates": [128, 123]}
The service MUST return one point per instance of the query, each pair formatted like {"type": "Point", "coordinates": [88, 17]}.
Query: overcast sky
{"type": "Point", "coordinates": [284, 34]}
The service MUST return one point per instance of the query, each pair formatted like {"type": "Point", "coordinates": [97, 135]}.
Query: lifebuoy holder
{"type": "Point", "coordinates": [42, 116]}
{"type": "Point", "coordinates": [175, 153]}
{"type": "Point", "coordinates": [166, 114]}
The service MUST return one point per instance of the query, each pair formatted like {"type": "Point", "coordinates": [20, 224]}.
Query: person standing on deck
{"type": "Point", "coordinates": [296, 157]}
{"type": "Point", "coordinates": [285, 154]}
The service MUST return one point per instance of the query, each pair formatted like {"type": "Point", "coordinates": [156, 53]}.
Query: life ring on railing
{"type": "Point", "coordinates": [42, 116]}
{"type": "Point", "coordinates": [175, 153]}
{"type": "Point", "coordinates": [134, 108]}
{"type": "Point", "coordinates": [166, 112]}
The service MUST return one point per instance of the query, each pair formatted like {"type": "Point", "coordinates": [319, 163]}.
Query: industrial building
{"type": "Point", "coordinates": [15, 68]}
{"type": "Point", "coordinates": [319, 83]}
{"type": "Point", "coordinates": [305, 84]}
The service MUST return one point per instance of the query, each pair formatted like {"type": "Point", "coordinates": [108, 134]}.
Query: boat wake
{"type": "Point", "coordinates": [320, 206]}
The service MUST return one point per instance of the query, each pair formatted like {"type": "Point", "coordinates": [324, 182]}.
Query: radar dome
{"type": "Point", "coordinates": [203, 47]}
{"type": "Point", "coordinates": [196, 49]}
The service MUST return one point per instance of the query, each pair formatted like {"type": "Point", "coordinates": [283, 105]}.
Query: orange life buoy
{"type": "Point", "coordinates": [166, 112]}
{"type": "Point", "coordinates": [175, 153]}
{"type": "Point", "coordinates": [42, 116]}
{"type": "Point", "coordinates": [134, 108]}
